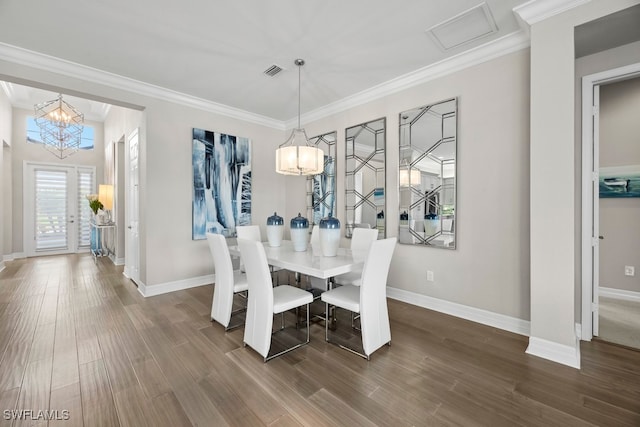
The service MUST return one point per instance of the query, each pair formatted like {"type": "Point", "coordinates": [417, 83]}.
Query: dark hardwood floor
{"type": "Point", "coordinates": [76, 336]}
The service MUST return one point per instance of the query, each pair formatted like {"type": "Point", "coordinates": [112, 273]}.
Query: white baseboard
{"type": "Point", "coordinates": [2, 266]}
{"type": "Point", "coordinates": [619, 294]}
{"type": "Point", "coordinates": [118, 261]}
{"type": "Point", "coordinates": [477, 315]}
{"type": "Point", "coordinates": [14, 256]}
{"type": "Point", "coordinates": [559, 353]}
{"type": "Point", "coordinates": [178, 285]}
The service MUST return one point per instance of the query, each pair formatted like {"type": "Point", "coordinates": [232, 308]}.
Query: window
{"type": "Point", "coordinates": [33, 134]}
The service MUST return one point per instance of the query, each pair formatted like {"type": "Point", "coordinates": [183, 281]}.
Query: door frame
{"type": "Point", "coordinates": [28, 207]}
{"type": "Point", "coordinates": [132, 256]}
{"type": "Point", "coordinates": [589, 147]}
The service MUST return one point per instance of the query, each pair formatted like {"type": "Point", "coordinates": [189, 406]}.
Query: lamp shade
{"type": "Point", "coordinates": [410, 177]}
{"type": "Point", "coordinates": [295, 157]}
{"type": "Point", "coordinates": [105, 195]}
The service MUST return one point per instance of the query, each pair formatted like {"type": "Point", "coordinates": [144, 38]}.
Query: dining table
{"type": "Point", "coordinates": [310, 262]}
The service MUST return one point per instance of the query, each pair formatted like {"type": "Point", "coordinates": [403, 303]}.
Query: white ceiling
{"type": "Point", "coordinates": [217, 50]}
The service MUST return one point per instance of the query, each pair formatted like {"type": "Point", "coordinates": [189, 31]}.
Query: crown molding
{"type": "Point", "coordinates": [502, 46]}
{"type": "Point", "coordinates": [535, 11]}
{"type": "Point", "coordinates": [60, 66]}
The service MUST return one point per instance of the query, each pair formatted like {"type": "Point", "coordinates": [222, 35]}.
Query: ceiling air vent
{"type": "Point", "coordinates": [466, 27]}
{"type": "Point", "coordinates": [273, 70]}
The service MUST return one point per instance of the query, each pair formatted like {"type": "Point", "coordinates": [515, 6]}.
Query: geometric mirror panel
{"type": "Point", "coordinates": [427, 175]}
{"type": "Point", "coordinates": [321, 188]}
{"type": "Point", "coordinates": [365, 179]}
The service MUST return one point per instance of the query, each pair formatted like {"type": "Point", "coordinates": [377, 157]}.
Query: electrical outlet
{"type": "Point", "coordinates": [629, 270]}
{"type": "Point", "coordinates": [430, 276]}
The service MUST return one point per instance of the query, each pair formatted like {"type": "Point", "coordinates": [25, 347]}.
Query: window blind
{"type": "Point", "coordinates": [51, 210]}
{"type": "Point", "coordinates": [85, 186]}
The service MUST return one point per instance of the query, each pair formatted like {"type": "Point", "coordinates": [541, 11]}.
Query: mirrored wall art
{"type": "Point", "coordinates": [321, 188]}
{"type": "Point", "coordinates": [365, 177]}
{"type": "Point", "coordinates": [427, 175]}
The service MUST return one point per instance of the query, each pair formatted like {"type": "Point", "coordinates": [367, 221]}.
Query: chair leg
{"type": "Point", "coordinates": [266, 359]}
{"type": "Point", "coordinates": [327, 319]}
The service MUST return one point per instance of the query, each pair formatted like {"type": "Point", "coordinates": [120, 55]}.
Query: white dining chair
{"type": "Point", "coordinates": [315, 237]}
{"type": "Point", "coordinates": [361, 240]}
{"type": "Point", "coordinates": [369, 300]}
{"type": "Point", "coordinates": [228, 283]}
{"type": "Point", "coordinates": [265, 301]}
{"type": "Point", "coordinates": [252, 232]}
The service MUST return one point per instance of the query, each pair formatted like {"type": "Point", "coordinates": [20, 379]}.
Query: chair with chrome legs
{"type": "Point", "coordinates": [361, 240]}
{"type": "Point", "coordinates": [228, 283]}
{"type": "Point", "coordinates": [369, 300]}
{"type": "Point", "coordinates": [265, 301]}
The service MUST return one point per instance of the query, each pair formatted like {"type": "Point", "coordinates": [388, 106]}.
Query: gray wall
{"type": "Point", "coordinates": [619, 218]}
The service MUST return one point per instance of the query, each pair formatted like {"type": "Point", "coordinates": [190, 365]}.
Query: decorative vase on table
{"type": "Point", "coordinates": [329, 236]}
{"type": "Point", "coordinates": [431, 224]}
{"type": "Point", "coordinates": [299, 233]}
{"type": "Point", "coordinates": [275, 230]}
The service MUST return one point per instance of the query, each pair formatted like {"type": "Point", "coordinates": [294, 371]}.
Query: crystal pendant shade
{"type": "Point", "coordinates": [60, 126]}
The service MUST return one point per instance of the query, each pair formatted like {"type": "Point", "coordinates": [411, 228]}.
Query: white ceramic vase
{"type": "Point", "coordinates": [299, 233]}
{"type": "Point", "coordinates": [299, 238]}
{"type": "Point", "coordinates": [431, 226]}
{"type": "Point", "coordinates": [275, 234]}
{"type": "Point", "coordinates": [329, 236]}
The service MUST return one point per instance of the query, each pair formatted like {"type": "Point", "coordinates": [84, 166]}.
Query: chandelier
{"type": "Point", "coordinates": [60, 126]}
{"type": "Point", "coordinates": [296, 156]}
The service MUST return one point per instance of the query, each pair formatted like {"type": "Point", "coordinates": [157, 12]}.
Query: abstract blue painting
{"type": "Point", "coordinates": [221, 183]}
{"type": "Point", "coordinates": [619, 181]}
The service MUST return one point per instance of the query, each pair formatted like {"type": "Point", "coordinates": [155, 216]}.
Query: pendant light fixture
{"type": "Point", "coordinates": [296, 156]}
{"type": "Point", "coordinates": [60, 126]}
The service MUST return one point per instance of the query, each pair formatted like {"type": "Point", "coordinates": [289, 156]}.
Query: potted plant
{"type": "Point", "coordinates": [95, 205]}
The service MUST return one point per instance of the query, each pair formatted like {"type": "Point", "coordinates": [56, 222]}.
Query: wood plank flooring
{"type": "Point", "coordinates": [76, 336]}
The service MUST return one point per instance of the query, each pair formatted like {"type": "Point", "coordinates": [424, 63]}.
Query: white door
{"type": "Point", "coordinates": [56, 221]}
{"type": "Point", "coordinates": [596, 208]}
{"type": "Point", "coordinates": [132, 257]}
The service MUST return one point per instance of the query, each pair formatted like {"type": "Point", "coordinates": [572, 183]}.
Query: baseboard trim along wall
{"type": "Point", "coordinates": [2, 265]}
{"type": "Point", "coordinates": [14, 256]}
{"type": "Point", "coordinates": [619, 294]}
{"type": "Point", "coordinates": [500, 321]}
{"type": "Point", "coordinates": [559, 353]}
{"type": "Point", "coordinates": [178, 285]}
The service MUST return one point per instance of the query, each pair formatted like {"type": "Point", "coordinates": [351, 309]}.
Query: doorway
{"type": "Point", "coordinates": [619, 210]}
{"type": "Point", "coordinates": [608, 198]}
{"type": "Point", "coordinates": [55, 219]}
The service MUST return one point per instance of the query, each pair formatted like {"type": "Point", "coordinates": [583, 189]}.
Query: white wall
{"type": "Point", "coordinates": [5, 169]}
{"type": "Point", "coordinates": [591, 64]}
{"type": "Point", "coordinates": [553, 195]}
{"type": "Point", "coordinates": [620, 146]}
{"type": "Point", "coordinates": [118, 125]}
{"type": "Point", "coordinates": [22, 150]}
{"type": "Point", "coordinates": [490, 267]}
{"type": "Point", "coordinates": [171, 253]}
